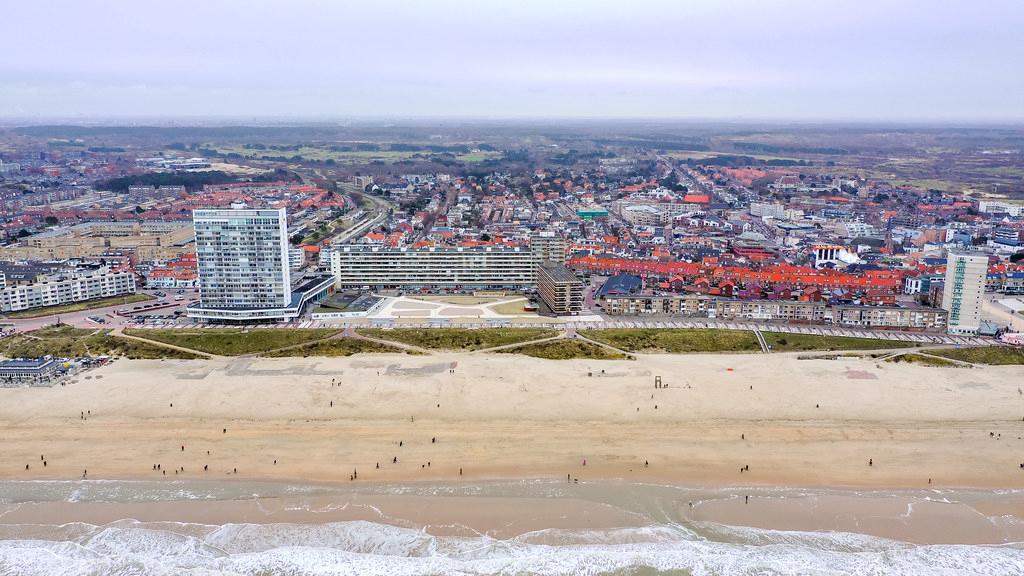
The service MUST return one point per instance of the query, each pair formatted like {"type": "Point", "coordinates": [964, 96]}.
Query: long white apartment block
{"type": "Point", "coordinates": [66, 288]}
{"type": "Point", "coordinates": [454, 268]}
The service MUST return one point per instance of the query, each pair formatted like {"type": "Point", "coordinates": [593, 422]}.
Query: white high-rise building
{"type": "Point", "coordinates": [964, 290]}
{"type": "Point", "coordinates": [242, 255]}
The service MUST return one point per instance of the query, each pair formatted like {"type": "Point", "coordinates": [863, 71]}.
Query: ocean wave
{"type": "Point", "coordinates": [368, 548]}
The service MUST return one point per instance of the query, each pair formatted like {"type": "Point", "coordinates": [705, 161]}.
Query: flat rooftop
{"type": "Point", "coordinates": [559, 273]}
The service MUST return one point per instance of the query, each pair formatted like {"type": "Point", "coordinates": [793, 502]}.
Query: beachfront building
{"type": "Point", "coordinates": [477, 268]}
{"type": "Point", "coordinates": [243, 271]}
{"type": "Point", "coordinates": [559, 288]}
{"type": "Point", "coordinates": [963, 290]}
{"type": "Point", "coordinates": [27, 371]}
{"type": "Point", "coordinates": [910, 317]}
{"type": "Point", "coordinates": [25, 287]}
{"type": "Point", "coordinates": [548, 246]}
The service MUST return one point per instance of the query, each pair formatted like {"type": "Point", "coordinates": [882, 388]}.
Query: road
{"type": "Point", "coordinates": [81, 319]}
{"type": "Point", "coordinates": [992, 310]}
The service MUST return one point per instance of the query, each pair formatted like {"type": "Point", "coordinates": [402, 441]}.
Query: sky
{"type": "Point", "coordinates": [685, 59]}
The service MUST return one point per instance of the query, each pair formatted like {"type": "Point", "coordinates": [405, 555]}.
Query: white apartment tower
{"type": "Point", "coordinates": [242, 255]}
{"type": "Point", "coordinates": [964, 290]}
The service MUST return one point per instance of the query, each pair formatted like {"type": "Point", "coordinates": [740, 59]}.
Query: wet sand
{"type": "Point", "coordinates": [504, 510]}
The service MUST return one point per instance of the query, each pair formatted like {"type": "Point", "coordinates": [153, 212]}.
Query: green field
{"type": "Point", "coordinates": [79, 306]}
{"type": "Point", "coordinates": [66, 341]}
{"type": "Point", "coordinates": [781, 342]}
{"type": "Point", "coordinates": [676, 341]}
{"type": "Point", "coordinates": [336, 347]}
{"type": "Point", "coordinates": [322, 154]}
{"type": "Point", "coordinates": [517, 307]}
{"type": "Point", "coordinates": [565, 350]}
{"type": "Point", "coordinates": [458, 338]}
{"type": "Point", "coordinates": [998, 355]}
{"type": "Point", "coordinates": [234, 341]}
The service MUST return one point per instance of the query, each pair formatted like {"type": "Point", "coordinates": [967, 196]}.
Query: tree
{"type": "Point", "coordinates": [1017, 257]}
{"type": "Point", "coordinates": [51, 221]}
{"type": "Point", "coordinates": [24, 233]}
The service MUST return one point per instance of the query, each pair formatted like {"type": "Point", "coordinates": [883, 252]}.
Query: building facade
{"type": "Point", "coordinates": [356, 266]}
{"type": "Point", "coordinates": [242, 262]}
{"type": "Point", "coordinates": [548, 246]}
{"type": "Point", "coordinates": [787, 311]}
{"type": "Point", "coordinates": [151, 240]}
{"type": "Point", "coordinates": [560, 289]}
{"type": "Point", "coordinates": [65, 287]}
{"type": "Point", "coordinates": [963, 290]}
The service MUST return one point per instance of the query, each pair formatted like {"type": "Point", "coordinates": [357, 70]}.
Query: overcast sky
{"type": "Point", "coordinates": [755, 59]}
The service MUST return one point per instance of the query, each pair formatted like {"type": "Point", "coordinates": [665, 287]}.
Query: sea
{"type": "Point", "coordinates": [44, 531]}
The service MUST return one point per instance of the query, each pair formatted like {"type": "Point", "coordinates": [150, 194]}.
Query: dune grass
{"type": "Point", "coordinates": [996, 355]}
{"type": "Point", "coordinates": [458, 338]}
{"type": "Point", "coordinates": [234, 341]}
{"type": "Point", "coordinates": [923, 360]}
{"type": "Point", "coordinates": [65, 341]}
{"type": "Point", "coordinates": [676, 341]}
{"type": "Point", "coordinates": [783, 342]}
{"type": "Point", "coordinates": [565, 350]}
{"type": "Point", "coordinates": [337, 347]}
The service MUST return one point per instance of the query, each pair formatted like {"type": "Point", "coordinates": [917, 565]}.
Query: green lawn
{"type": "Point", "coordinates": [458, 338]}
{"type": "Point", "coordinates": [234, 341]}
{"type": "Point", "coordinates": [67, 341]}
{"type": "Point", "coordinates": [79, 306]}
{"type": "Point", "coordinates": [984, 355]}
{"type": "Point", "coordinates": [781, 342]}
{"type": "Point", "coordinates": [565, 350]}
{"type": "Point", "coordinates": [676, 341]}
{"type": "Point", "coordinates": [517, 307]}
{"type": "Point", "coordinates": [336, 347]}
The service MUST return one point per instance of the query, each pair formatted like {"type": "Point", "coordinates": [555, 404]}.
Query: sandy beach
{"type": "Point", "coordinates": [793, 422]}
{"type": "Point", "coordinates": [743, 461]}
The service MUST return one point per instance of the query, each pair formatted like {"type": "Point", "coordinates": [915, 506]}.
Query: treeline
{"type": "Point", "coordinates": [655, 144]}
{"type": "Point", "coordinates": [734, 161]}
{"type": "Point", "coordinates": [776, 149]}
{"type": "Point", "coordinates": [571, 157]}
{"type": "Point", "coordinates": [190, 180]}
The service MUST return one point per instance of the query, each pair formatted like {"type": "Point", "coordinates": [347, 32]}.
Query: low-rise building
{"type": "Point", "coordinates": [152, 240]}
{"type": "Point", "coordinates": [788, 311]}
{"type": "Point", "coordinates": [27, 371]}
{"type": "Point", "coordinates": [65, 287]}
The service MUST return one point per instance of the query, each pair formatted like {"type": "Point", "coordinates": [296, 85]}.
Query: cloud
{"type": "Point", "coordinates": [695, 58]}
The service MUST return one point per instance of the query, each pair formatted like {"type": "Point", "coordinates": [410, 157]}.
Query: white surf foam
{"type": "Point", "coordinates": [368, 548]}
